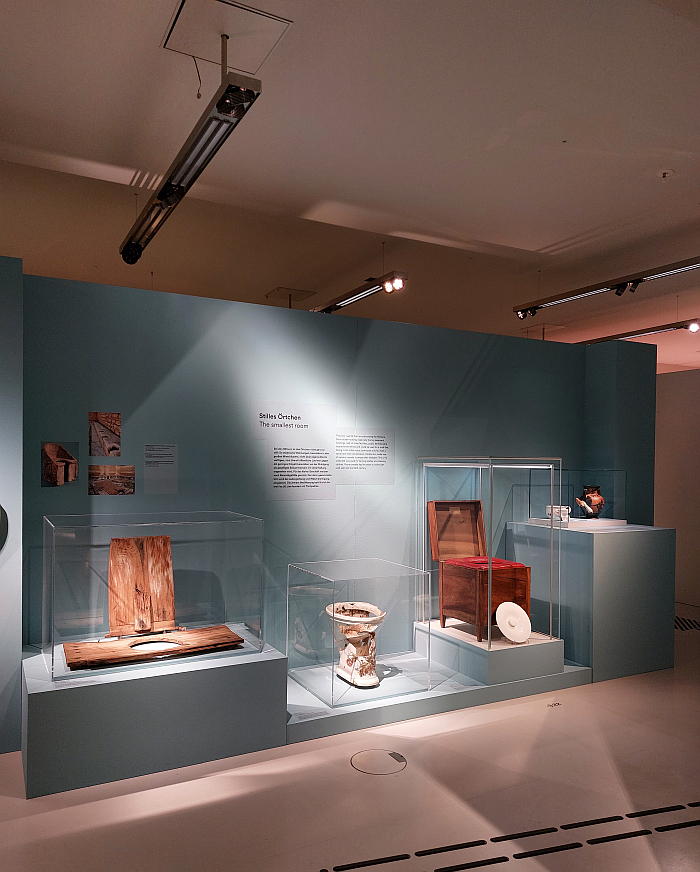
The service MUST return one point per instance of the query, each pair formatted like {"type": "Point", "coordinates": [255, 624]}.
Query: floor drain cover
{"type": "Point", "coordinates": [377, 762]}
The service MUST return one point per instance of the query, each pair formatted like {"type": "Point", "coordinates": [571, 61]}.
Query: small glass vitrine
{"type": "Point", "coordinates": [352, 629]}
{"type": "Point", "coordinates": [198, 572]}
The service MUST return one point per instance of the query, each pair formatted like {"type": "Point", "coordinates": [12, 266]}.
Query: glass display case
{"type": "Point", "coordinates": [612, 484]}
{"type": "Point", "coordinates": [473, 516]}
{"type": "Point", "coordinates": [123, 591]}
{"type": "Point", "coordinates": [352, 629]}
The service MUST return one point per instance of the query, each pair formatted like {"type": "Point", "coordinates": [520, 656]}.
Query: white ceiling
{"type": "Point", "coordinates": [536, 131]}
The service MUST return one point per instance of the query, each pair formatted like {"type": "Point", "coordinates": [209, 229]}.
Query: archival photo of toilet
{"type": "Point", "coordinates": [111, 481]}
{"type": "Point", "coordinates": [59, 463]}
{"type": "Point", "coordinates": [105, 434]}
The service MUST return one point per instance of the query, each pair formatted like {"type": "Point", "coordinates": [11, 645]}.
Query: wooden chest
{"type": "Point", "coordinates": [458, 542]}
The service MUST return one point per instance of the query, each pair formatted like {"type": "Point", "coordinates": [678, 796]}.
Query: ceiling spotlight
{"type": "Point", "coordinates": [631, 283]}
{"type": "Point", "coordinates": [522, 314]}
{"type": "Point", "coordinates": [693, 325]}
{"type": "Point", "coordinates": [532, 311]}
{"type": "Point", "coordinates": [393, 281]}
{"type": "Point", "coordinates": [232, 100]}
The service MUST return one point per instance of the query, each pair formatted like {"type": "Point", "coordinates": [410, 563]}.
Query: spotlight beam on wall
{"type": "Point", "coordinates": [389, 282]}
{"type": "Point", "coordinates": [625, 283]}
{"type": "Point", "coordinates": [233, 98]}
{"type": "Point", "coordinates": [693, 325]}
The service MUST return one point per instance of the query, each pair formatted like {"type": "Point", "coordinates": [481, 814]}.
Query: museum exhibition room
{"type": "Point", "coordinates": [349, 422]}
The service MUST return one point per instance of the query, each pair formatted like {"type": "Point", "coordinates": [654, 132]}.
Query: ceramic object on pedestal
{"type": "Point", "coordinates": [354, 627]}
{"type": "Point", "coordinates": [591, 501]}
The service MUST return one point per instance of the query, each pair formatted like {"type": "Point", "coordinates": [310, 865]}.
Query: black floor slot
{"type": "Point", "coordinates": [526, 835]}
{"type": "Point", "coordinates": [475, 864]}
{"type": "Point", "coordinates": [553, 849]}
{"type": "Point", "coordinates": [694, 805]}
{"type": "Point", "coordinates": [618, 836]}
{"type": "Point", "coordinates": [649, 811]}
{"type": "Point", "coordinates": [592, 823]}
{"type": "Point", "coordinates": [681, 826]}
{"type": "Point", "coordinates": [365, 863]}
{"type": "Point", "coordinates": [446, 848]}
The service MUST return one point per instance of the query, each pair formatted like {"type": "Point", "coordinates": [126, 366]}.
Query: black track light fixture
{"type": "Point", "coordinates": [625, 283]}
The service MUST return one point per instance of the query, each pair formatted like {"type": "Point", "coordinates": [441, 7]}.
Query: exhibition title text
{"type": "Point", "coordinates": [280, 421]}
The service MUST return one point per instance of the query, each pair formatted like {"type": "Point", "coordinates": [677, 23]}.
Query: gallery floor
{"type": "Point", "coordinates": [544, 763]}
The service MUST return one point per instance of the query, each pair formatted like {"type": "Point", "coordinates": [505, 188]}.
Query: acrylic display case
{"type": "Point", "coordinates": [196, 575]}
{"type": "Point", "coordinates": [351, 629]}
{"type": "Point", "coordinates": [612, 484]}
{"type": "Point", "coordinates": [472, 506]}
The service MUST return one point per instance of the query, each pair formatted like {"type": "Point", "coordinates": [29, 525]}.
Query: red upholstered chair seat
{"type": "Point", "coordinates": [483, 563]}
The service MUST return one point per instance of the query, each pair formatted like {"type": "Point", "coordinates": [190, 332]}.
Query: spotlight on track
{"type": "Point", "coordinates": [390, 282]}
{"type": "Point", "coordinates": [692, 325]}
{"type": "Point", "coordinates": [626, 283]}
{"type": "Point", "coordinates": [232, 100]}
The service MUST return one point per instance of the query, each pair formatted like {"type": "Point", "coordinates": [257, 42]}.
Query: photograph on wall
{"type": "Point", "coordinates": [105, 434]}
{"type": "Point", "coordinates": [59, 463]}
{"type": "Point", "coordinates": [111, 481]}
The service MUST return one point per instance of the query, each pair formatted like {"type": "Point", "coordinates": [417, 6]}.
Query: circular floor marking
{"type": "Point", "coordinates": [378, 762]}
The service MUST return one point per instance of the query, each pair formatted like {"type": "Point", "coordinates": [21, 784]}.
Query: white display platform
{"type": "Point", "coordinates": [108, 726]}
{"type": "Point", "coordinates": [456, 648]}
{"type": "Point", "coordinates": [309, 718]}
{"type": "Point", "coordinates": [590, 526]}
{"type": "Point", "coordinates": [451, 687]}
{"type": "Point", "coordinates": [398, 675]}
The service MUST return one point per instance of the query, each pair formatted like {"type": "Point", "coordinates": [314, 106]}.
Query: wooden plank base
{"type": "Point", "coordinates": [111, 652]}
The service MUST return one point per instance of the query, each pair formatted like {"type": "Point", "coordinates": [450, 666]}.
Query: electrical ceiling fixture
{"type": "Point", "coordinates": [693, 325]}
{"type": "Point", "coordinates": [625, 283]}
{"type": "Point", "coordinates": [232, 100]}
{"type": "Point", "coordinates": [390, 282]}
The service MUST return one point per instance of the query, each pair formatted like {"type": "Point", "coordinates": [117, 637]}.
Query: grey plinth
{"type": "Point", "coordinates": [455, 647]}
{"type": "Point", "coordinates": [617, 594]}
{"type": "Point", "coordinates": [91, 730]}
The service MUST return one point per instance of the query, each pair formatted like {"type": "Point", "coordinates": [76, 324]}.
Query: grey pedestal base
{"type": "Point", "coordinates": [617, 593]}
{"type": "Point", "coordinates": [85, 731]}
{"type": "Point", "coordinates": [457, 649]}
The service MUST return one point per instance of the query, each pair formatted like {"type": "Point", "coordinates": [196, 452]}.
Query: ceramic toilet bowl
{"type": "Point", "coordinates": [354, 628]}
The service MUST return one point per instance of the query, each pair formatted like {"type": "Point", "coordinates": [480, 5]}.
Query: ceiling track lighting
{"type": "Point", "coordinates": [230, 103]}
{"type": "Point", "coordinates": [390, 282]}
{"type": "Point", "coordinates": [693, 325]}
{"type": "Point", "coordinates": [619, 286]}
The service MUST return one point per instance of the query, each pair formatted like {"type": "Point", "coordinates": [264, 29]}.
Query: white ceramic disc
{"type": "Point", "coordinates": [513, 622]}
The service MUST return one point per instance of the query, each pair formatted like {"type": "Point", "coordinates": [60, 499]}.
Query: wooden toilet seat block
{"type": "Point", "coordinates": [458, 542]}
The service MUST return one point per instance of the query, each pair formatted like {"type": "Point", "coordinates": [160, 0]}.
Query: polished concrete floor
{"type": "Point", "coordinates": [607, 750]}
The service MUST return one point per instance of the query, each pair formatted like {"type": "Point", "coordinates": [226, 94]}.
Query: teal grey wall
{"type": "Point", "coordinates": [620, 417]}
{"type": "Point", "coordinates": [186, 370]}
{"type": "Point", "coordinates": [10, 501]}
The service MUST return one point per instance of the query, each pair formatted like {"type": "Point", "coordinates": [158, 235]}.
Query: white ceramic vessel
{"type": "Point", "coordinates": [560, 513]}
{"type": "Point", "coordinates": [513, 622]}
{"type": "Point", "coordinates": [354, 629]}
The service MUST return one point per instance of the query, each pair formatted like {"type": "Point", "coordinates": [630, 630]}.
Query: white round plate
{"type": "Point", "coordinates": [513, 622]}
